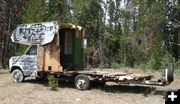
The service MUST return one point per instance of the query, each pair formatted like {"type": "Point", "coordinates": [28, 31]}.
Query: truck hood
{"type": "Point", "coordinates": [35, 33]}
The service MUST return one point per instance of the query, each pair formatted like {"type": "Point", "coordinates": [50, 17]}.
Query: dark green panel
{"type": "Point", "coordinates": [78, 53]}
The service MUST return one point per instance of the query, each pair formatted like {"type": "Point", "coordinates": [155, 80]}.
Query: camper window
{"type": "Point", "coordinates": [68, 42]}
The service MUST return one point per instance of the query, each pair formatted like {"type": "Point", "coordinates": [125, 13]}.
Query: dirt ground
{"type": "Point", "coordinates": [37, 92]}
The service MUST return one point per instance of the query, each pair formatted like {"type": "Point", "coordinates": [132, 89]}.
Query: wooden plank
{"type": "Point", "coordinates": [140, 76]}
{"type": "Point", "coordinates": [49, 57]}
{"type": "Point", "coordinates": [40, 58]}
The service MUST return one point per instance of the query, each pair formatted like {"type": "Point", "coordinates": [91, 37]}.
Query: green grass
{"type": "Point", "coordinates": [177, 72]}
{"type": "Point", "coordinates": [2, 71]}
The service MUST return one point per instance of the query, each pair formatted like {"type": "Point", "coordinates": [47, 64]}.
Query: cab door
{"type": "Point", "coordinates": [29, 61]}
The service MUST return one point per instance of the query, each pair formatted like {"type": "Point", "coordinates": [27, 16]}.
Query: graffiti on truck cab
{"type": "Point", "coordinates": [35, 33]}
{"type": "Point", "coordinates": [26, 62]}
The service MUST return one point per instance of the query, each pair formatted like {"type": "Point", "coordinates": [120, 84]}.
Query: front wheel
{"type": "Point", "coordinates": [17, 76]}
{"type": "Point", "coordinates": [82, 82]}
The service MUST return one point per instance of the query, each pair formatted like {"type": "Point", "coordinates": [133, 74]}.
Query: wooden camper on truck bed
{"type": "Point", "coordinates": [65, 52]}
{"type": "Point", "coordinates": [57, 48]}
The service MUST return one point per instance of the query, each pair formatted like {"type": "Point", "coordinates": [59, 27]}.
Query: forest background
{"type": "Point", "coordinates": [120, 33]}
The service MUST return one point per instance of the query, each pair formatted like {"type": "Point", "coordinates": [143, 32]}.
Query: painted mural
{"type": "Point", "coordinates": [37, 33]}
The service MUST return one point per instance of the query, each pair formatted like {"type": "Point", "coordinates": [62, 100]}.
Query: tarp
{"type": "Point", "coordinates": [35, 33]}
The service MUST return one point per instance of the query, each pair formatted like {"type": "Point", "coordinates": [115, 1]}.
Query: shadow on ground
{"type": "Point", "coordinates": [36, 81]}
{"type": "Point", "coordinates": [62, 84]}
{"type": "Point", "coordinates": [145, 90]}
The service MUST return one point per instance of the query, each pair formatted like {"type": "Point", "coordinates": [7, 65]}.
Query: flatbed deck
{"type": "Point", "coordinates": [117, 77]}
{"type": "Point", "coordinates": [120, 76]}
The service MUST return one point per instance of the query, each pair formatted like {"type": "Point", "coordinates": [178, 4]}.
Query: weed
{"type": "Point", "coordinates": [52, 82]}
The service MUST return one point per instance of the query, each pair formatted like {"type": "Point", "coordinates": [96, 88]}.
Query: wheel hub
{"type": "Point", "coordinates": [17, 76]}
{"type": "Point", "coordinates": [81, 83]}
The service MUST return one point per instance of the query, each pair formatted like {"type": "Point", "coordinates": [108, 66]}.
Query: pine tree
{"type": "Point", "coordinates": [59, 10]}
{"type": "Point", "coordinates": [10, 16]}
{"type": "Point", "coordinates": [35, 11]}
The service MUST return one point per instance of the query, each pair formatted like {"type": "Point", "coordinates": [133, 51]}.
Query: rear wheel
{"type": "Point", "coordinates": [82, 82]}
{"type": "Point", "coordinates": [17, 76]}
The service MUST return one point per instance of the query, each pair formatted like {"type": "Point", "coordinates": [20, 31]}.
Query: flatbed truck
{"type": "Point", "coordinates": [56, 48]}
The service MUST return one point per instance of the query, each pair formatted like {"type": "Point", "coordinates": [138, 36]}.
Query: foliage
{"type": "Point", "coordinates": [52, 82]}
{"type": "Point", "coordinates": [115, 65]}
{"type": "Point", "coordinates": [59, 10]}
{"type": "Point", "coordinates": [34, 11]}
{"type": "Point", "coordinates": [21, 49]}
{"type": "Point", "coordinates": [133, 33]}
{"type": "Point", "coordinates": [88, 50]}
{"type": "Point", "coordinates": [10, 16]}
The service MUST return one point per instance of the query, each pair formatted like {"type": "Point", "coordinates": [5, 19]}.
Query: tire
{"type": "Point", "coordinates": [170, 76]}
{"type": "Point", "coordinates": [82, 82]}
{"type": "Point", "coordinates": [17, 76]}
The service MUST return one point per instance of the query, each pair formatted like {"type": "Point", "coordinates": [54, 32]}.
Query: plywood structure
{"type": "Point", "coordinates": [53, 56]}
{"type": "Point", "coordinates": [48, 56]}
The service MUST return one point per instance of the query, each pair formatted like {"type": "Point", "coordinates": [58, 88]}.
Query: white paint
{"type": "Point", "coordinates": [85, 43]}
{"type": "Point", "coordinates": [166, 74]}
{"type": "Point", "coordinates": [147, 82]}
{"type": "Point", "coordinates": [125, 78]}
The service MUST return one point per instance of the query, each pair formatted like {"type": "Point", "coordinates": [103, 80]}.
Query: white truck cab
{"type": "Point", "coordinates": [24, 65]}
